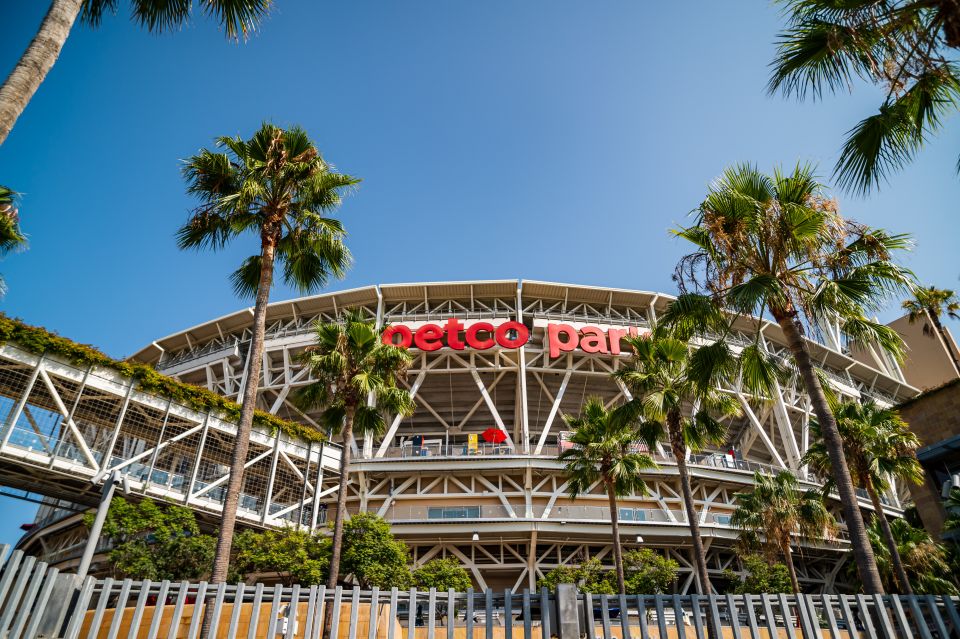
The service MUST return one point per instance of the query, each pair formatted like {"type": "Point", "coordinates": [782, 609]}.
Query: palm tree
{"type": "Point", "coordinates": [235, 17]}
{"type": "Point", "coordinates": [776, 512]}
{"type": "Point", "coordinates": [906, 47]}
{"type": "Point", "coordinates": [878, 445]}
{"type": "Point", "coordinates": [924, 560]}
{"type": "Point", "coordinates": [662, 377]}
{"type": "Point", "coordinates": [935, 302]}
{"type": "Point", "coordinates": [351, 364]}
{"type": "Point", "coordinates": [11, 237]}
{"type": "Point", "coordinates": [775, 245]}
{"type": "Point", "coordinates": [605, 450]}
{"type": "Point", "coordinates": [277, 187]}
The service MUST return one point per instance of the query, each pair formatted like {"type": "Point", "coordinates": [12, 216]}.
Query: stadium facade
{"type": "Point", "coordinates": [515, 357]}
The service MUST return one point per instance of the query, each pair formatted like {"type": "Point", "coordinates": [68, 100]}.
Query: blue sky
{"type": "Point", "coordinates": [546, 139]}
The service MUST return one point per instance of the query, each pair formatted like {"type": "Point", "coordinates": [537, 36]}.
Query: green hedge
{"type": "Point", "coordinates": [40, 341]}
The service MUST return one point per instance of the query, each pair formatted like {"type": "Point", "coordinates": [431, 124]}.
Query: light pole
{"type": "Point", "coordinates": [106, 496]}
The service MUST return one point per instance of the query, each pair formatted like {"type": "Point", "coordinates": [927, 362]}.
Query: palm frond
{"type": "Point", "coordinates": [814, 55]}
{"type": "Point", "coordinates": [887, 141]}
{"type": "Point", "coordinates": [246, 279]}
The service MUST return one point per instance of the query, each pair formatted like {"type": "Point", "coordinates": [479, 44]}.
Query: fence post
{"type": "Point", "coordinates": [568, 620]}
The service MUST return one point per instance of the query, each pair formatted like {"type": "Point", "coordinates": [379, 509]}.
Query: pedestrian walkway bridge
{"type": "Point", "coordinates": [66, 430]}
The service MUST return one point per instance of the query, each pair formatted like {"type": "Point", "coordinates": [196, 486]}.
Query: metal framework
{"type": "Point", "coordinates": [64, 430]}
{"type": "Point", "coordinates": [503, 510]}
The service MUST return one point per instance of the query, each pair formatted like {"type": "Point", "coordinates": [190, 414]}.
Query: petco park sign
{"type": "Point", "coordinates": [482, 335]}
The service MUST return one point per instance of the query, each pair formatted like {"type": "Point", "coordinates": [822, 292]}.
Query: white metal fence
{"type": "Point", "coordinates": [38, 601]}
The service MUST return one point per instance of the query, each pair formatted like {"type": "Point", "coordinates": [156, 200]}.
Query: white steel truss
{"type": "Point", "coordinates": [439, 483]}
{"type": "Point", "coordinates": [64, 430]}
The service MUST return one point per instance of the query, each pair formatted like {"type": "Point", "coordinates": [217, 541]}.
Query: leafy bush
{"type": "Point", "coordinates": [154, 541]}
{"type": "Point", "coordinates": [372, 555]}
{"type": "Point", "coordinates": [300, 557]}
{"type": "Point", "coordinates": [442, 574]}
{"type": "Point", "coordinates": [40, 341]}
{"type": "Point", "coordinates": [648, 572]}
{"type": "Point", "coordinates": [763, 576]}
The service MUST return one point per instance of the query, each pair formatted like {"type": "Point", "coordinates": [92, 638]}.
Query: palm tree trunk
{"type": "Point", "coordinates": [679, 448]}
{"type": "Point", "coordinates": [228, 519]}
{"type": "Point", "coordinates": [36, 62]}
{"type": "Point", "coordinates": [898, 570]}
{"type": "Point", "coordinates": [615, 524]}
{"type": "Point", "coordinates": [788, 557]}
{"type": "Point", "coordinates": [862, 551]}
{"type": "Point", "coordinates": [337, 548]}
{"type": "Point", "coordinates": [945, 338]}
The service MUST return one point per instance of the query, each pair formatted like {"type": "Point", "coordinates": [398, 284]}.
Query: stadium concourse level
{"type": "Point", "coordinates": [507, 359]}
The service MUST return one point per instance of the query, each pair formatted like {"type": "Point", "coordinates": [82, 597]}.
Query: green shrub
{"type": "Point", "coordinates": [372, 555]}
{"type": "Point", "coordinates": [647, 572]}
{"type": "Point", "coordinates": [300, 557]}
{"type": "Point", "coordinates": [442, 574]}
{"type": "Point", "coordinates": [155, 541]}
{"type": "Point", "coordinates": [763, 576]}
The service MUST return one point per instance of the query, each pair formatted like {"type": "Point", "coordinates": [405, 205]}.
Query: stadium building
{"type": "Point", "coordinates": [473, 474]}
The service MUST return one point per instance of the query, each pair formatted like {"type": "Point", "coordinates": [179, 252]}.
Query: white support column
{"type": "Point", "coordinates": [314, 510]}
{"type": "Point", "coordinates": [388, 437]}
{"type": "Point", "coordinates": [272, 479]}
{"type": "Point", "coordinates": [490, 405]}
{"type": "Point", "coordinates": [105, 465]}
{"type": "Point", "coordinates": [758, 428]}
{"type": "Point", "coordinates": [371, 398]}
{"type": "Point", "coordinates": [553, 412]}
{"type": "Point", "coordinates": [532, 562]}
{"type": "Point", "coordinates": [522, 373]}
{"type": "Point", "coordinates": [199, 457]}
{"type": "Point", "coordinates": [787, 434]}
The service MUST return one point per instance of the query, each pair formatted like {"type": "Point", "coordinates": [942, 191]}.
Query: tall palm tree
{"type": "Point", "coordinates": [605, 449]}
{"type": "Point", "coordinates": [776, 245]}
{"type": "Point", "coordinates": [277, 187]}
{"type": "Point", "coordinates": [351, 364]}
{"type": "Point", "coordinates": [935, 302]}
{"type": "Point", "coordinates": [662, 378]}
{"type": "Point", "coordinates": [906, 47]}
{"type": "Point", "coordinates": [11, 237]}
{"type": "Point", "coordinates": [235, 17]}
{"type": "Point", "coordinates": [878, 445]}
{"type": "Point", "coordinates": [776, 511]}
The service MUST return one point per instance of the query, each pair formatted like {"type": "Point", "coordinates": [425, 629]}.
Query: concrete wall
{"type": "Point", "coordinates": [928, 363]}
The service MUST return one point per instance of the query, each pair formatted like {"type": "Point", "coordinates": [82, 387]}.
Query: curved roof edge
{"type": "Point", "coordinates": [374, 293]}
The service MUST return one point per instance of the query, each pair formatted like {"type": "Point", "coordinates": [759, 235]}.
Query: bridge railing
{"type": "Point", "coordinates": [38, 601]}
{"type": "Point", "coordinates": [64, 429]}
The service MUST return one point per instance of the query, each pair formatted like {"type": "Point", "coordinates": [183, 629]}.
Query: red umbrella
{"type": "Point", "coordinates": [494, 436]}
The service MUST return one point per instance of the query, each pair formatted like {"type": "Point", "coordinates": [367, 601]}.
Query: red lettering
{"type": "Point", "coordinates": [429, 337]}
{"type": "Point", "coordinates": [615, 334]}
{"type": "Point", "coordinates": [406, 338]}
{"type": "Point", "coordinates": [453, 334]}
{"type": "Point", "coordinates": [480, 344]}
{"type": "Point", "coordinates": [554, 331]}
{"type": "Point", "coordinates": [503, 335]}
{"type": "Point", "coordinates": [593, 341]}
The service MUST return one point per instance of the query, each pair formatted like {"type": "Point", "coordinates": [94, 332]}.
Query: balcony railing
{"type": "Point", "coordinates": [400, 513]}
